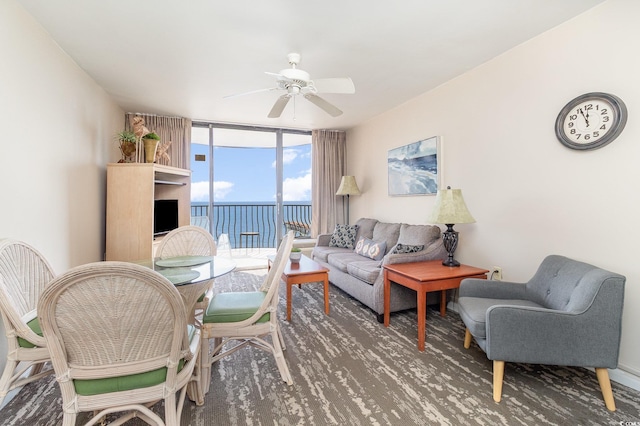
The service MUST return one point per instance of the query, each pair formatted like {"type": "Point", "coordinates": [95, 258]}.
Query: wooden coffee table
{"type": "Point", "coordinates": [424, 277]}
{"type": "Point", "coordinates": [303, 272]}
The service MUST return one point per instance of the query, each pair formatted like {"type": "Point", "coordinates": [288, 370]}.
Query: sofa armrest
{"type": "Point", "coordinates": [431, 252]}
{"type": "Point", "coordinates": [404, 258]}
{"type": "Point", "coordinates": [546, 336]}
{"type": "Point", "coordinates": [323, 240]}
{"type": "Point", "coordinates": [474, 287]}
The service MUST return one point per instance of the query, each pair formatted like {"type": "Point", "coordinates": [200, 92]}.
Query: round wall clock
{"type": "Point", "coordinates": [591, 121]}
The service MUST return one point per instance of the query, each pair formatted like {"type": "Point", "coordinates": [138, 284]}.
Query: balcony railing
{"type": "Point", "coordinates": [239, 220]}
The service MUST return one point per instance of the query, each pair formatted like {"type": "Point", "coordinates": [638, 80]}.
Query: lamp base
{"type": "Point", "coordinates": [450, 261]}
{"type": "Point", "coordinates": [450, 240]}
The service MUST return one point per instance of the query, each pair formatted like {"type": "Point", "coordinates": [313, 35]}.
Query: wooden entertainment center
{"type": "Point", "coordinates": [132, 189]}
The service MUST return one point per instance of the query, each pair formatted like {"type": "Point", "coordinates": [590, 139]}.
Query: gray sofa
{"type": "Point", "coordinates": [362, 277]}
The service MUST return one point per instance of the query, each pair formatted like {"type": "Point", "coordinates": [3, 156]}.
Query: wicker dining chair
{"type": "Point", "coordinates": [24, 273]}
{"type": "Point", "coordinates": [190, 240]}
{"type": "Point", "coordinates": [119, 342]}
{"type": "Point", "coordinates": [247, 317]}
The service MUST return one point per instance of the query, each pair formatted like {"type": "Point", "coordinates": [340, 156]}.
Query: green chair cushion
{"type": "Point", "coordinates": [124, 383]}
{"type": "Point", "coordinates": [34, 325]}
{"type": "Point", "coordinates": [234, 307]}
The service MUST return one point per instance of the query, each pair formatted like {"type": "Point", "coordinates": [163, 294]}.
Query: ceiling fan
{"type": "Point", "coordinates": [298, 82]}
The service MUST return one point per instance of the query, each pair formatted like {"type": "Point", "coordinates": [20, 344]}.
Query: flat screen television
{"type": "Point", "coordinates": [165, 216]}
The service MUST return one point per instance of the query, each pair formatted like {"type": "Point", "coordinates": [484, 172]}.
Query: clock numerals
{"type": "Point", "coordinates": [587, 122]}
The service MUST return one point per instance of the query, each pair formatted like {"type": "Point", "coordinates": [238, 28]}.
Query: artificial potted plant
{"type": "Point", "coordinates": [127, 142]}
{"type": "Point", "coordinates": [151, 141]}
{"type": "Point", "coordinates": [295, 255]}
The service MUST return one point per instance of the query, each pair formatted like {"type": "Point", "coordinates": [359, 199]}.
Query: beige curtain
{"type": "Point", "coordinates": [177, 130]}
{"type": "Point", "coordinates": [329, 154]}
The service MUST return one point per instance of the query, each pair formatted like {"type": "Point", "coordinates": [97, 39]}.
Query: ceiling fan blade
{"type": "Point", "coordinates": [334, 85]}
{"type": "Point", "coordinates": [251, 92]}
{"type": "Point", "coordinates": [323, 104]}
{"type": "Point", "coordinates": [278, 107]}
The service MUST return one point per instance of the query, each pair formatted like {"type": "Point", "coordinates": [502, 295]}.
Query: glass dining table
{"type": "Point", "coordinates": [192, 276]}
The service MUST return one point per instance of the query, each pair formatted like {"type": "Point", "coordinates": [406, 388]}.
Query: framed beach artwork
{"type": "Point", "coordinates": [414, 169]}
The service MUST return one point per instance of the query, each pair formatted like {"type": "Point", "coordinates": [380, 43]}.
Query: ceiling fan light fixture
{"type": "Point", "coordinates": [295, 74]}
{"type": "Point", "coordinates": [298, 82]}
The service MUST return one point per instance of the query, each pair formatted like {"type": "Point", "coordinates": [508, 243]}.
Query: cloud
{"type": "Point", "coordinates": [288, 156]}
{"type": "Point", "coordinates": [297, 189]}
{"type": "Point", "coordinates": [200, 190]}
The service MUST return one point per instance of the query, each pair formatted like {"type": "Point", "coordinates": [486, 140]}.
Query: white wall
{"type": "Point", "coordinates": [57, 136]}
{"type": "Point", "coordinates": [530, 195]}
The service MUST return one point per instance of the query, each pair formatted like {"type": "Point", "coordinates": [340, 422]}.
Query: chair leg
{"type": "Point", "coordinates": [5, 380]}
{"type": "Point", "coordinates": [467, 338]}
{"type": "Point", "coordinates": [605, 387]}
{"type": "Point", "coordinates": [69, 419]}
{"type": "Point", "coordinates": [281, 362]}
{"type": "Point", "coordinates": [284, 347]}
{"type": "Point", "coordinates": [498, 376]}
{"type": "Point", "coordinates": [205, 370]}
{"type": "Point", "coordinates": [171, 415]}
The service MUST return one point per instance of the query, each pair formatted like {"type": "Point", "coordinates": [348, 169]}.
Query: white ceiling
{"type": "Point", "coordinates": [181, 57]}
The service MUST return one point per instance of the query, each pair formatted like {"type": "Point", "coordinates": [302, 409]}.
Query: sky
{"type": "Point", "coordinates": [249, 174]}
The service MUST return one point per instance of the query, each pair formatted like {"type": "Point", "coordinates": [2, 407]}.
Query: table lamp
{"type": "Point", "coordinates": [348, 186]}
{"type": "Point", "coordinates": [449, 210]}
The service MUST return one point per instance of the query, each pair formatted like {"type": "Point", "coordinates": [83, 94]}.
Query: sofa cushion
{"type": "Point", "coordinates": [365, 228]}
{"type": "Point", "coordinates": [340, 261]}
{"type": "Point", "coordinates": [371, 249]}
{"type": "Point", "coordinates": [387, 232]}
{"type": "Point", "coordinates": [418, 234]}
{"type": "Point", "coordinates": [344, 236]}
{"type": "Point", "coordinates": [365, 270]}
{"type": "Point", "coordinates": [322, 253]}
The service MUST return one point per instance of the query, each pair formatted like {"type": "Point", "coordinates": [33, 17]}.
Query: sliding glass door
{"type": "Point", "coordinates": [249, 185]}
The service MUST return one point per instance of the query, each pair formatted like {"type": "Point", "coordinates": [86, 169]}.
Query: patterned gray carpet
{"type": "Point", "coordinates": [350, 370]}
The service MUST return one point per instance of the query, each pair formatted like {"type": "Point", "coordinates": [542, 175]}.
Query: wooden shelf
{"type": "Point", "coordinates": [131, 191]}
{"type": "Point", "coordinates": [168, 182]}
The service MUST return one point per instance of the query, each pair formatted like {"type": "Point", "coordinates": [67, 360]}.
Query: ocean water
{"type": "Point", "coordinates": [236, 218]}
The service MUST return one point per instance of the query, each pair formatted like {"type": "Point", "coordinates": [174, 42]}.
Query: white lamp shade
{"type": "Point", "coordinates": [348, 186]}
{"type": "Point", "coordinates": [450, 208]}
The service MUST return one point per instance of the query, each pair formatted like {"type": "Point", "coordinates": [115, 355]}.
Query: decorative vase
{"type": "Point", "coordinates": [150, 148]}
{"type": "Point", "coordinates": [128, 150]}
{"type": "Point", "coordinates": [295, 256]}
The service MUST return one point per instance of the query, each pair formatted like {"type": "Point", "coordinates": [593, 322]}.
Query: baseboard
{"type": "Point", "coordinates": [625, 378]}
{"type": "Point", "coordinates": [618, 375]}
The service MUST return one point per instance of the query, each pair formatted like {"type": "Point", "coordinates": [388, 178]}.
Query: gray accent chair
{"type": "Point", "coordinates": [569, 313]}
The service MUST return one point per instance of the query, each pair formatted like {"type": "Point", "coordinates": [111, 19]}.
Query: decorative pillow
{"type": "Point", "coordinates": [406, 248]}
{"type": "Point", "coordinates": [344, 236]}
{"type": "Point", "coordinates": [371, 249]}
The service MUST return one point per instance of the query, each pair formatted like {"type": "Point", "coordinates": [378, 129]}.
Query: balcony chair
{"type": "Point", "coordinates": [190, 241]}
{"type": "Point", "coordinates": [569, 313]}
{"type": "Point", "coordinates": [119, 342]}
{"type": "Point", "coordinates": [247, 317]}
{"type": "Point", "coordinates": [24, 273]}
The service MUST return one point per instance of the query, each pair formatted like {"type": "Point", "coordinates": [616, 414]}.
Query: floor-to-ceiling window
{"type": "Point", "coordinates": [249, 184]}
